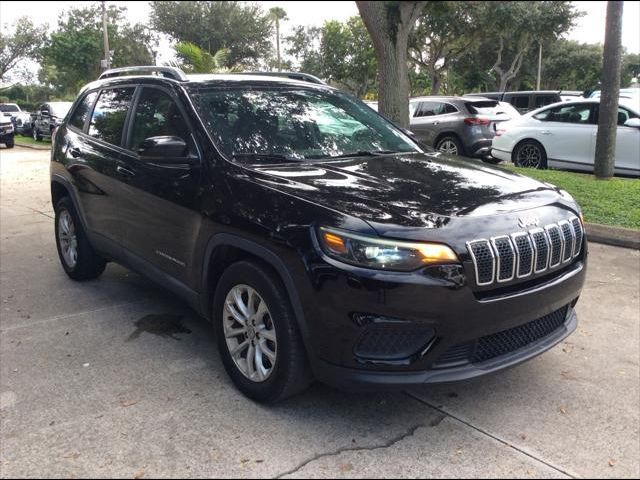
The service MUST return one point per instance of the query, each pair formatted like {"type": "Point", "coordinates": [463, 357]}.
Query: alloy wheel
{"type": "Point", "coordinates": [250, 333]}
{"type": "Point", "coordinates": [529, 156]}
{"type": "Point", "coordinates": [448, 146]}
{"type": "Point", "coordinates": [67, 238]}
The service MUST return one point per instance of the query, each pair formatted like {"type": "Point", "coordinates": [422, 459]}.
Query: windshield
{"type": "Point", "coordinates": [295, 123]}
{"type": "Point", "coordinates": [60, 109]}
{"type": "Point", "coordinates": [7, 107]}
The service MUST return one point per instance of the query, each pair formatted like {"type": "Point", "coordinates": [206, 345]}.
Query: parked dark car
{"type": "Point", "coordinates": [319, 239]}
{"type": "Point", "coordinates": [7, 131]}
{"type": "Point", "coordinates": [524, 101]}
{"type": "Point", "coordinates": [457, 125]}
{"type": "Point", "coordinates": [47, 117]}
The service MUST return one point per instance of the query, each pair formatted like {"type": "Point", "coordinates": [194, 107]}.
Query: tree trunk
{"type": "Point", "coordinates": [436, 83]}
{"type": "Point", "coordinates": [389, 27]}
{"type": "Point", "coordinates": [608, 111]}
{"type": "Point", "coordinates": [278, 43]}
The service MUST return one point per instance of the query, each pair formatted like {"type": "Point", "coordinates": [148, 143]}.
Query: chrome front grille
{"type": "Point", "coordinates": [522, 254]}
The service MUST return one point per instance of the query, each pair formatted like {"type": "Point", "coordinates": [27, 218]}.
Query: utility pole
{"type": "Point", "coordinates": [539, 65]}
{"type": "Point", "coordinates": [106, 63]}
{"type": "Point", "coordinates": [609, 97]}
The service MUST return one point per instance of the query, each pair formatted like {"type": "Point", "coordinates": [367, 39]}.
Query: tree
{"type": "Point", "coordinates": [24, 42]}
{"type": "Point", "coordinates": [195, 60]}
{"type": "Point", "coordinates": [570, 65]}
{"type": "Point", "coordinates": [244, 29]}
{"type": "Point", "coordinates": [304, 47]}
{"type": "Point", "coordinates": [389, 24]}
{"type": "Point", "coordinates": [608, 110]}
{"type": "Point", "coordinates": [71, 57]}
{"type": "Point", "coordinates": [444, 32]}
{"type": "Point", "coordinates": [278, 14]}
{"type": "Point", "coordinates": [519, 25]}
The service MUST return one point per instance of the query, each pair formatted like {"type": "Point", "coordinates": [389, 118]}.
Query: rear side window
{"type": "Point", "coordinates": [580, 113]}
{"type": "Point", "coordinates": [521, 102]}
{"type": "Point", "coordinates": [82, 111]}
{"type": "Point", "coordinates": [542, 100]}
{"type": "Point", "coordinates": [429, 109]}
{"type": "Point", "coordinates": [157, 115]}
{"type": "Point", "coordinates": [109, 114]}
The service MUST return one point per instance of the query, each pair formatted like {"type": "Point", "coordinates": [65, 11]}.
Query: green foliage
{"type": "Point", "coordinates": [72, 55]}
{"type": "Point", "coordinates": [30, 96]}
{"type": "Point", "coordinates": [608, 202]}
{"type": "Point", "coordinates": [244, 29]}
{"type": "Point", "coordinates": [196, 60]}
{"type": "Point", "coordinates": [24, 42]}
{"type": "Point", "coordinates": [340, 52]}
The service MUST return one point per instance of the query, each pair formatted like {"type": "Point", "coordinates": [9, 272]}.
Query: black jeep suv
{"type": "Point", "coordinates": [320, 240]}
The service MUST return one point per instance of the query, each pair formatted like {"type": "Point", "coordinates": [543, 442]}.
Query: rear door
{"type": "Point", "coordinates": [161, 213]}
{"type": "Point", "coordinates": [567, 133]}
{"type": "Point", "coordinates": [95, 147]}
{"type": "Point", "coordinates": [431, 118]}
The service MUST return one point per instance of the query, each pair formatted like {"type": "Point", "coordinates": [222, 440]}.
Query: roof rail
{"type": "Point", "coordinates": [168, 72]}
{"type": "Point", "coordinates": [305, 77]}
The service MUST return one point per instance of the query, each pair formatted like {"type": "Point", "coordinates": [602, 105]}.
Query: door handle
{"type": "Point", "coordinates": [545, 132]}
{"type": "Point", "coordinates": [75, 152]}
{"type": "Point", "coordinates": [435, 123]}
{"type": "Point", "coordinates": [125, 172]}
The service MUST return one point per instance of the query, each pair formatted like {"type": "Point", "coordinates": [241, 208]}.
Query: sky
{"type": "Point", "coordinates": [589, 29]}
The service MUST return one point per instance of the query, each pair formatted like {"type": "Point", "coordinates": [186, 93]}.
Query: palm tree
{"type": "Point", "coordinates": [194, 59]}
{"type": "Point", "coordinates": [277, 14]}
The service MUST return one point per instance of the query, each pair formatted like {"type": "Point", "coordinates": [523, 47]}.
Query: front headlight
{"type": "Point", "coordinates": [378, 253]}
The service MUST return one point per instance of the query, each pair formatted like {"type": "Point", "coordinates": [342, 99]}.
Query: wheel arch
{"type": "Point", "coordinates": [528, 139]}
{"type": "Point", "coordinates": [223, 250]}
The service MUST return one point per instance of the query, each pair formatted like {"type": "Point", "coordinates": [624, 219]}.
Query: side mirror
{"type": "Point", "coordinates": [165, 150]}
{"type": "Point", "coordinates": [632, 122]}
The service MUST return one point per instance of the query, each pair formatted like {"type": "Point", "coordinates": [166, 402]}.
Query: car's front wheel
{"type": "Point", "coordinates": [530, 154]}
{"type": "Point", "coordinates": [77, 256]}
{"type": "Point", "coordinates": [257, 334]}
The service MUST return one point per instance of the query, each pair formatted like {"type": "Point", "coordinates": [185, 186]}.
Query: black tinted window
{"type": "Point", "coordinates": [82, 111]}
{"type": "Point", "coordinates": [157, 115]}
{"type": "Point", "coordinates": [109, 114]}
{"type": "Point", "coordinates": [521, 102]}
{"type": "Point", "coordinates": [429, 109]}
{"type": "Point", "coordinates": [542, 100]}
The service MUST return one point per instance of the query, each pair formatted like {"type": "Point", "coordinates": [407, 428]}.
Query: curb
{"type": "Point", "coordinates": [616, 236]}
{"type": "Point", "coordinates": [32, 147]}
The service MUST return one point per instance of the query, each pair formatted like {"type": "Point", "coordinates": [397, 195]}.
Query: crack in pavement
{"type": "Point", "coordinates": [388, 444]}
{"type": "Point", "coordinates": [490, 435]}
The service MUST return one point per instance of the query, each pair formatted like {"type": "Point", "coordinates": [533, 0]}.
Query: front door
{"type": "Point", "coordinates": [160, 215]}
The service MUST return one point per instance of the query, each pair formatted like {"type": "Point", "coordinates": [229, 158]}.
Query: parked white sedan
{"type": "Point", "coordinates": [563, 135]}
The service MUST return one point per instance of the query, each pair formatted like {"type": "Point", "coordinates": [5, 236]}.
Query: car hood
{"type": "Point", "coordinates": [418, 190]}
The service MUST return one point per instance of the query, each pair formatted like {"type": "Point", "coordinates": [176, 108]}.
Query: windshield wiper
{"type": "Point", "coordinates": [268, 157]}
{"type": "Point", "coordinates": [364, 153]}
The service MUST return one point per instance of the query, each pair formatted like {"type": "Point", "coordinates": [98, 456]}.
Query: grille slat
{"type": "Point", "coordinates": [522, 254]}
{"type": "Point", "coordinates": [503, 343]}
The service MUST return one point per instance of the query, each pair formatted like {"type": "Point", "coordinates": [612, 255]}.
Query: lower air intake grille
{"type": "Point", "coordinates": [502, 343]}
{"type": "Point", "coordinates": [392, 343]}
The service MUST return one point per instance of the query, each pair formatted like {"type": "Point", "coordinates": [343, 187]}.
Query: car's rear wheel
{"type": "Point", "coordinates": [77, 256]}
{"type": "Point", "coordinates": [257, 334]}
{"type": "Point", "coordinates": [530, 154]}
{"type": "Point", "coordinates": [450, 144]}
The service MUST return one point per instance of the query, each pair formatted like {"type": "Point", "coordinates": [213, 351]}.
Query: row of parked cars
{"type": "Point", "coordinates": [536, 129]}
{"type": "Point", "coordinates": [38, 124]}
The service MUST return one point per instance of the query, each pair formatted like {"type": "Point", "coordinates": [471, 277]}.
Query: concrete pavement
{"type": "Point", "coordinates": [116, 377]}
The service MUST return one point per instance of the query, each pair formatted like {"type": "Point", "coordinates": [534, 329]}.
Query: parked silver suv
{"type": "Point", "coordinates": [457, 125]}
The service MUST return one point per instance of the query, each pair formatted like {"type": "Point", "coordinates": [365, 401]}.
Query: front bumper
{"type": "Point", "coordinates": [501, 155]}
{"type": "Point", "coordinates": [4, 136]}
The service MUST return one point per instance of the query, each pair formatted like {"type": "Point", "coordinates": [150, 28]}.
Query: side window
{"type": "Point", "coordinates": [542, 100]}
{"type": "Point", "coordinates": [429, 109]}
{"type": "Point", "coordinates": [577, 113]}
{"type": "Point", "coordinates": [521, 102]}
{"type": "Point", "coordinates": [448, 108]}
{"type": "Point", "coordinates": [82, 111]}
{"type": "Point", "coordinates": [624, 115]}
{"type": "Point", "coordinates": [109, 114]}
{"type": "Point", "coordinates": [157, 115]}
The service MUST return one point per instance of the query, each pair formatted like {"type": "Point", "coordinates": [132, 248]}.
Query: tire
{"type": "Point", "coordinates": [450, 144]}
{"type": "Point", "coordinates": [529, 154]}
{"type": "Point", "coordinates": [36, 134]}
{"type": "Point", "coordinates": [10, 143]}
{"type": "Point", "coordinates": [88, 264]}
{"type": "Point", "coordinates": [491, 160]}
{"type": "Point", "coordinates": [288, 373]}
